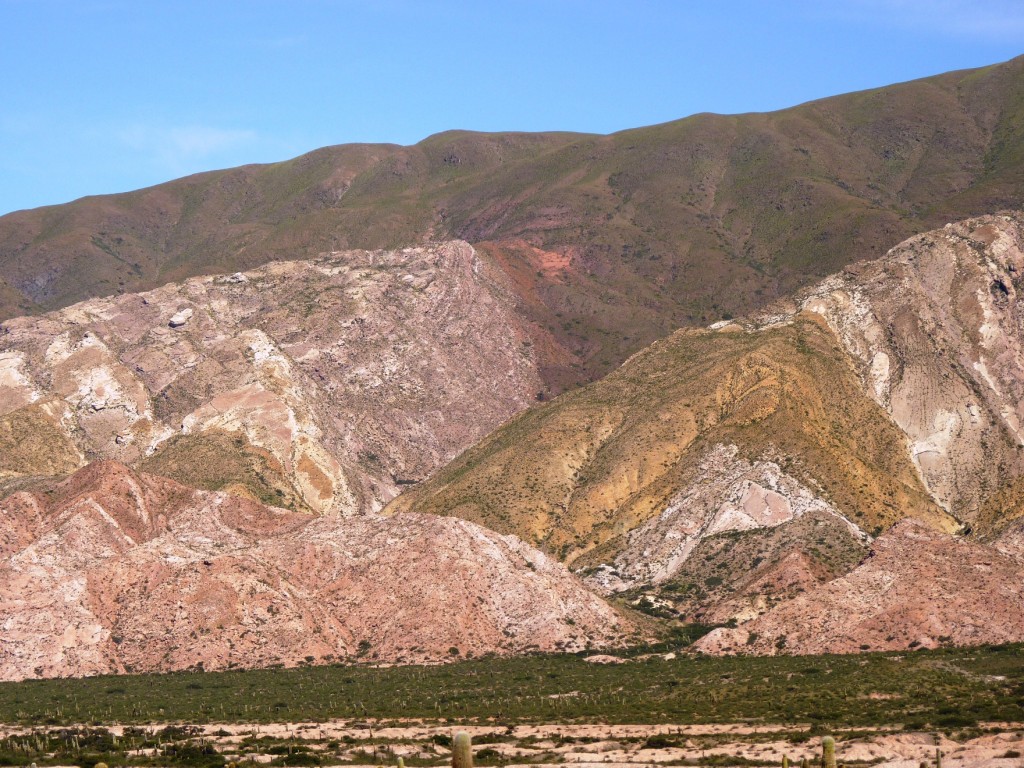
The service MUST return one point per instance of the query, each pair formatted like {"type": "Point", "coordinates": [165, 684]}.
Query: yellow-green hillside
{"type": "Point", "coordinates": [574, 474]}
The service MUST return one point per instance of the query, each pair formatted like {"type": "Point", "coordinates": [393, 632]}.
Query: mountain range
{"type": "Point", "coordinates": [757, 372]}
{"type": "Point", "coordinates": [885, 393]}
{"type": "Point", "coordinates": [615, 240]}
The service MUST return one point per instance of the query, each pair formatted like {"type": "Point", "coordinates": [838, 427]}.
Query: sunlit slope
{"type": "Point", "coordinates": [320, 385]}
{"type": "Point", "coordinates": [576, 474]}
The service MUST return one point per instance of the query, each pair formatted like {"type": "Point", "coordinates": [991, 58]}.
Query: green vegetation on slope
{"type": "Point", "coordinates": [220, 461]}
{"type": "Point", "coordinates": [943, 688]}
{"type": "Point", "coordinates": [31, 444]}
{"type": "Point", "coordinates": [674, 224]}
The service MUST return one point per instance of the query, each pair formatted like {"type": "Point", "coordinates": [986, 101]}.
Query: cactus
{"type": "Point", "coordinates": [462, 750]}
{"type": "Point", "coordinates": [100, 765]}
{"type": "Point", "coordinates": [805, 763]}
{"type": "Point", "coordinates": [401, 763]}
{"type": "Point", "coordinates": [785, 762]}
{"type": "Point", "coordinates": [828, 752]}
{"type": "Point", "coordinates": [938, 758]}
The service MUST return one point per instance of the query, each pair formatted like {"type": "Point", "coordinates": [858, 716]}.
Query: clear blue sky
{"type": "Point", "coordinates": [110, 95]}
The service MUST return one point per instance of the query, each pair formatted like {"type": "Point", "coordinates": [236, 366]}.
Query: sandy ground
{"type": "Point", "coordinates": [608, 746]}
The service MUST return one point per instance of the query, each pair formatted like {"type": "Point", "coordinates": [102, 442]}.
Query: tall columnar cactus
{"type": "Point", "coordinates": [938, 758]}
{"type": "Point", "coordinates": [828, 752]}
{"type": "Point", "coordinates": [462, 750]}
{"type": "Point", "coordinates": [785, 762]}
{"type": "Point", "coordinates": [805, 763]}
{"type": "Point", "coordinates": [401, 763]}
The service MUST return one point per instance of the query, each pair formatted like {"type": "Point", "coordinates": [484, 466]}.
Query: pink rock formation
{"type": "Point", "coordinates": [352, 372]}
{"type": "Point", "coordinates": [116, 571]}
{"type": "Point", "coordinates": [917, 588]}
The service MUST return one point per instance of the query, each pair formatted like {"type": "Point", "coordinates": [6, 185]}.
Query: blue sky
{"type": "Point", "coordinates": [109, 95]}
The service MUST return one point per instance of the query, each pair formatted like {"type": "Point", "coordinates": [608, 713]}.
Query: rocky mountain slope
{"type": "Point", "coordinates": [321, 385]}
{"type": "Point", "coordinates": [702, 433]}
{"type": "Point", "coordinates": [117, 571]}
{"type": "Point", "coordinates": [918, 588]}
{"type": "Point", "coordinates": [936, 334]}
{"type": "Point", "coordinates": [721, 473]}
{"type": "Point", "coordinates": [613, 241]}
{"type": "Point", "coordinates": [737, 474]}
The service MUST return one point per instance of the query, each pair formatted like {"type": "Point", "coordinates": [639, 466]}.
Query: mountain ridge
{"type": "Point", "coordinates": [676, 224]}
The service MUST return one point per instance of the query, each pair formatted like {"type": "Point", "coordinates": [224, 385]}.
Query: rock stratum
{"type": "Point", "coordinates": [321, 385]}
{"type": "Point", "coordinates": [744, 470]}
{"type": "Point", "coordinates": [799, 473]}
{"type": "Point", "coordinates": [116, 571]}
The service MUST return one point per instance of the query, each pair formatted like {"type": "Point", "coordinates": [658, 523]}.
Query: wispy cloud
{"type": "Point", "coordinates": [178, 147]}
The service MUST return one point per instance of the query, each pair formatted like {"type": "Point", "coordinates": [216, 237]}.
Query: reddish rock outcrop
{"type": "Point", "coordinates": [917, 588]}
{"type": "Point", "coordinates": [115, 571]}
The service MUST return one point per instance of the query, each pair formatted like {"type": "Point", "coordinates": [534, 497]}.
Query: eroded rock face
{"type": "Point", "coordinates": [344, 376]}
{"type": "Point", "coordinates": [704, 434]}
{"type": "Point", "coordinates": [118, 571]}
{"type": "Point", "coordinates": [918, 588]}
{"type": "Point", "coordinates": [935, 331]}
{"type": "Point", "coordinates": [728, 493]}
{"type": "Point", "coordinates": [889, 391]}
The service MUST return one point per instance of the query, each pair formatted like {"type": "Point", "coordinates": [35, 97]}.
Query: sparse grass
{"type": "Point", "coordinates": [220, 461]}
{"type": "Point", "coordinates": [951, 688]}
{"type": "Point", "coordinates": [31, 444]}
